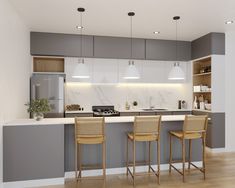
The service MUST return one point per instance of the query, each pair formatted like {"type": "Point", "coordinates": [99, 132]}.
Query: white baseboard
{"type": "Point", "coordinates": [34, 183]}
{"type": "Point", "coordinates": [85, 173]}
{"type": "Point", "coordinates": [112, 171]}
{"type": "Point", "coordinates": [216, 150]}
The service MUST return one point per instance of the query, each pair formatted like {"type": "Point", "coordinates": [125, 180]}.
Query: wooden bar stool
{"type": "Point", "coordinates": [89, 130]}
{"type": "Point", "coordinates": [194, 128]}
{"type": "Point", "coordinates": [146, 129]}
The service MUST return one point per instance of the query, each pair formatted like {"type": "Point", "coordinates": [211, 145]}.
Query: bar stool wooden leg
{"type": "Point", "coordinates": [104, 161]}
{"type": "Point", "coordinates": [75, 161]}
{"type": "Point", "coordinates": [183, 156]}
{"type": "Point", "coordinates": [158, 160]}
{"type": "Point", "coordinates": [190, 153]}
{"type": "Point", "coordinates": [149, 162]}
{"type": "Point", "coordinates": [127, 156]}
{"type": "Point", "coordinates": [80, 161]}
{"type": "Point", "coordinates": [133, 162]}
{"type": "Point", "coordinates": [170, 161]}
{"type": "Point", "coordinates": [204, 157]}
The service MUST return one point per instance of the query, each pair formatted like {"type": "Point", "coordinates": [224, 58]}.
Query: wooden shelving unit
{"type": "Point", "coordinates": [46, 64]}
{"type": "Point", "coordinates": [202, 77]}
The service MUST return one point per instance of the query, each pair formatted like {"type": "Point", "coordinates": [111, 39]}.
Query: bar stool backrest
{"type": "Point", "coordinates": [147, 125]}
{"type": "Point", "coordinates": [89, 126]}
{"type": "Point", "coordinates": [195, 124]}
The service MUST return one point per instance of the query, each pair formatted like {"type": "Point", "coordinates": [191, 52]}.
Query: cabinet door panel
{"type": "Point", "coordinates": [54, 44]}
{"type": "Point", "coordinates": [129, 113]}
{"type": "Point", "coordinates": [165, 50]}
{"type": "Point", "coordinates": [118, 47]}
{"type": "Point", "coordinates": [71, 63]}
{"type": "Point", "coordinates": [105, 71]}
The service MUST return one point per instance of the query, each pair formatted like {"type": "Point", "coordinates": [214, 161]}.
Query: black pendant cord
{"type": "Point", "coordinates": [176, 18]}
{"type": "Point", "coordinates": [176, 41]}
{"type": "Point", "coordinates": [81, 33]}
{"type": "Point", "coordinates": [131, 37]}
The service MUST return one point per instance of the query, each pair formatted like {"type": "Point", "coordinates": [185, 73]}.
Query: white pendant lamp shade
{"type": "Point", "coordinates": [176, 73]}
{"type": "Point", "coordinates": [81, 70]}
{"type": "Point", "coordinates": [131, 71]}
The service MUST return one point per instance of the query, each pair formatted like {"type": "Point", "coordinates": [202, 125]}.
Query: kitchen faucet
{"type": "Point", "coordinates": [150, 102]}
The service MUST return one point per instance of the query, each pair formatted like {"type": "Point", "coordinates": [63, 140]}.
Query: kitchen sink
{"type": "Point", "coordinates": [154, 109]}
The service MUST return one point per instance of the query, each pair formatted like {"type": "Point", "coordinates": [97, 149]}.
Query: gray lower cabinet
{"type": "Point", "coordinates": [165, 50]}
{"type": "Point", "coordinates": [55, 44]}
{"type": "Point", "coordinates": [118, 47]}
{"type": "Point", "coordinates": [164, 113]}
{"type": "Point", "coordinates": [129, 113]}
{"type": "Point", "coordinates": [78, 115]}
{"type": "Point", "coordinates": [181, 112]}
{"type": "Point", "coordinates": [147, 113]}
{"type": "Point", "coordinates": [33, 152]}
{"type": "Point", "coordinates": [215, 137]}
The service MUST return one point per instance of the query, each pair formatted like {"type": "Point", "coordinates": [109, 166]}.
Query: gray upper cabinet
{"type": "Point", "coordinates": [118, 47]}
{"type": "Point", "coordinates": [212, 43]}
{"type": "Point", "coordinates": [55, 44]}
{"type": "Point", "coordinates": [165, 50]}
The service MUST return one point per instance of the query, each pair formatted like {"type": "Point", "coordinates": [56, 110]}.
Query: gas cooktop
{"type": "Point", "coordinates": [104, 111]}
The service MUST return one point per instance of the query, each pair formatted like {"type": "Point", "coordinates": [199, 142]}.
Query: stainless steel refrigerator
{"type": "Point", "coordinates": [51, 87]}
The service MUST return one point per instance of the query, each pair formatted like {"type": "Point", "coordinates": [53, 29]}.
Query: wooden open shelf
{"type": "Point", "coordinates": [46, 64]}
{"type": "Point", "coordinates": [202, 76]}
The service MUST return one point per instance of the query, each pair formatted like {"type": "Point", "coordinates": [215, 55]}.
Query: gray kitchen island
{"type": "Point", "coordinates": [48, 146]}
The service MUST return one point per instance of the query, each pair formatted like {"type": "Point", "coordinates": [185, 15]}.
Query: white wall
{"type": "Point", "coordinates": [230, 90]}
{"type": "Point", "coordinates": [14, 66]}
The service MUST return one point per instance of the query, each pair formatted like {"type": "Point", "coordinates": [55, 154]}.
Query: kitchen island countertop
{"type": "Point", "coordinates": [56, 121]}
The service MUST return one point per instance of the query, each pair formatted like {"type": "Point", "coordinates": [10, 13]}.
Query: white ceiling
{"type": "Point", "coordinates": [109, 17]}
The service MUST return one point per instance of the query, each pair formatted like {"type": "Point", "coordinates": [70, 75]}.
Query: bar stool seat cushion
{"type": "Point", "coordinates": [90, 139]}
{"type": "Point", "coordinates": [179, 134]}
{"type": "Point", "coordinates": [143, 137]}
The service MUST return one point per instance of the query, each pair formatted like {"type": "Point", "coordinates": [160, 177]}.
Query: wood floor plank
{"type": "Point", "coordinates": [220, 173]}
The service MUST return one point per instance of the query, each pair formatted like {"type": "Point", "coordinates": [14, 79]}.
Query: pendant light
{"type": "Point", "coordinates": [176, 72]}
{"type": "Point", "coordinates": [131, 70]}
{"type": "Point", "coordinates": [81, 70]}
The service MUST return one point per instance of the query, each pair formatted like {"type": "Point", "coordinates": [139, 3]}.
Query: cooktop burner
{"type": "Point", "coordinates": [104, 111]}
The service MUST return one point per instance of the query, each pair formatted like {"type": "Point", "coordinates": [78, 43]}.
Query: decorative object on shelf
{"type": "Point", "coordinates": [201, 102]}
{"type": "Point", "coordinates": [176, 72]}
{"type": "Point", "coordinates": [207, 106]}
{"type": "Point", "coordinates": [81, 70]}
{"type": "Point", "coordinates": [131, 70]}
{"type": "Point", "coordinates": [179, 104]}
{"type": "Point", "coordinates": [195, 103]}
{"type": "Point", "coordinates": [135, 104]}
{"type": "Point", "coordinates": [183, 104]}
{"type": "Point", "coordinates": [127, 106]}
{"type": "Point", "coordinates": [38, 107]}
{"type": "Point", "coordinates": [73, 107]}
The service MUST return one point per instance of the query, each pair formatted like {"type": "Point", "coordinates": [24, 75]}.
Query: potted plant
{"type": "Point", "coordinates": [38, 107]}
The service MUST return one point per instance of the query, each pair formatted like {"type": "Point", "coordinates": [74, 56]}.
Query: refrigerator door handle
{"type": "Point", "coordinates": [36, 90]}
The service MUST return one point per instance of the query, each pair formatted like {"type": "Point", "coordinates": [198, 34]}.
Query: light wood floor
{"type": "Point", "coordinates": [220, 173]}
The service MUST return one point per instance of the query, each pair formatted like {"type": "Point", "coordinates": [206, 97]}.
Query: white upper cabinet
{"type": "Point", "coordinates": [70, 65]}
{"type": "Point", "coordinates": [123, 64]}
{"type": "Point", "coordinates": [105, 71]}
{"type": "Point", "coordinates": [153, 71]}
{"type": "Point", "coordinates": [112, 71]}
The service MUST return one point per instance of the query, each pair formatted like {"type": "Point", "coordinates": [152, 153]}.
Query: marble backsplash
{"type": "Point", "coordinates": [157, 95]}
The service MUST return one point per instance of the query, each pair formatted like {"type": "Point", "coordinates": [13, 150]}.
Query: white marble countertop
{"type": "Point", "coordinates": [131, 110]}
{"type": "Point", "coordinates": [56, 121]}
{"type": "Point", "coordinates": [78, 111]}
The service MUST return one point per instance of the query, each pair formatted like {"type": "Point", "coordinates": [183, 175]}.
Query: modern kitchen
{"type": "Point", "coordinates": [94, 98]}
